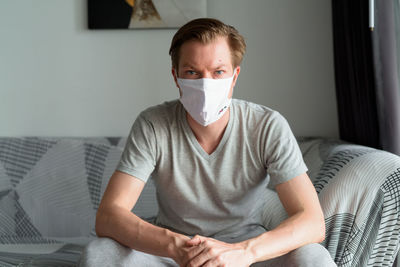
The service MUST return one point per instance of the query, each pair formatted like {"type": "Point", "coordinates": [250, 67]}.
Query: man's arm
{"type": "Point", "coordinates": [114, 219]}
{"type": "Point", "coordinates": [305, 225]}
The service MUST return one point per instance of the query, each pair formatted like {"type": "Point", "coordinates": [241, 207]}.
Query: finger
{"type": "Point", "coordinates": [199, 260]}
{"type": "Point", "coordinates": [205, 253]}
{"type": "Point", "coordinates": [214, 262]}
{"type": "Point", "coordinates": [195, 241]}
{"type": "Point", "coordinates": [210, 264]}
{"type": "Point", "coordinates": [194, 252]}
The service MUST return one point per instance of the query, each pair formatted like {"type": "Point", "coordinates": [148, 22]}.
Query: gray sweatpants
{"type": "Point", "coordinates": [108, 252]}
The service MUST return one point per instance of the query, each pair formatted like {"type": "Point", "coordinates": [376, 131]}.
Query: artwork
{"type": "Point", "coordinates": [133, 14]}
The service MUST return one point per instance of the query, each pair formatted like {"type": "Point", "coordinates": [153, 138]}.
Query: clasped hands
{"type": "Point", "coordinates": [209, 252]}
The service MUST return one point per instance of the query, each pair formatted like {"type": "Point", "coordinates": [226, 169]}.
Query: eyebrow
{"type": "Point", "coordinates": [192, 67]}
{"type": "Point", "coordinates": [188, 66]}
{"type": "Point", "coordinates": [220, 66]}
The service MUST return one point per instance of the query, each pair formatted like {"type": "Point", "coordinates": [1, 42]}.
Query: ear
{"type": "Point", "coordinates": [237, 71]}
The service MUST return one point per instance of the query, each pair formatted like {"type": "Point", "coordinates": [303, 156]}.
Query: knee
{"type": "Point", "coordinates": [105, 245]}
{"type": "Point", "coordinates": [101, 250]}
{"type": "Point", "coordinates": [310, 255]}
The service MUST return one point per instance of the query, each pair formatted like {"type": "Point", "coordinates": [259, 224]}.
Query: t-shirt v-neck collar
{"type": "Point", "coordinates": [192, 138]}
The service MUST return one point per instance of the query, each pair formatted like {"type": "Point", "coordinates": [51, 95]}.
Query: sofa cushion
{"type": "Point", "coordinates": [50, 188]}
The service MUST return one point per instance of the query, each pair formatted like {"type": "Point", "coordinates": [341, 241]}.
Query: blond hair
{"type": "Point", "coordinates": [206, 30]}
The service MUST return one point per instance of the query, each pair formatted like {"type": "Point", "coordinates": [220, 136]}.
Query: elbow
{"type": "Point", "coordinates": [321, 229]}
{"type": "Point", "coordinates": [100, 224]}
{"type": "Point", "coordinates": [316, 228]}
{"type": "Point", "coordinates": [321, 236]}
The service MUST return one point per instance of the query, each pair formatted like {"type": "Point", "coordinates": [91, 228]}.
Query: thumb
{"type": "Point", "coordinates": [195, 241]}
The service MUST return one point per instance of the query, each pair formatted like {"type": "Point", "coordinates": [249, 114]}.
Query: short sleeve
{"type": "Point", "coordinates": [283, 156]}
{"type": "Point", "coordinates": [138, 158]}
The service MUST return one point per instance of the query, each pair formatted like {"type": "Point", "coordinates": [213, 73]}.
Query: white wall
{"type": "Point", "coordinates": [57, 78]}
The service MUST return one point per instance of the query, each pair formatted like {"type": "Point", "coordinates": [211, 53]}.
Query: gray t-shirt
{"type": "Point", "coordinates": [214, 194]}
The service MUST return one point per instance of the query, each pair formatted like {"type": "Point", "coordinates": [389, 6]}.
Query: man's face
{"type": "Point", "coordinates": [212, 60]}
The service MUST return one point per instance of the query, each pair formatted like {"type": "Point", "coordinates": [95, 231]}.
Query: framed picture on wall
{"type": "Point", "coordinates": [139, 14]}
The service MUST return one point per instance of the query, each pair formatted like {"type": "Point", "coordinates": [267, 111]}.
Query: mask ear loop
{"type": "Point", "coordinates": [234, 73]}
{"type": "Point", "coordinates": [233, 87]}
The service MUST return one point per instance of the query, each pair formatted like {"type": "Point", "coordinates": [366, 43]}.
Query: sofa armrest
{"type": "Point", "coordinates": [359, 191]}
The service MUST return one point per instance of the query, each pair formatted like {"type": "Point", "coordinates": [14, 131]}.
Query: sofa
{"type": "Point", "coordinates": [51, 187]}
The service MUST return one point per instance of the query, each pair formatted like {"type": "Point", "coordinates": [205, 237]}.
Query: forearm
{"type": "Point", "coordinates": [296, 231]}
{"type": "Point", "coordinates": [131, 231]}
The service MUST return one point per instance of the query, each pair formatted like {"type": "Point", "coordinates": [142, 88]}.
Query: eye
{"type": "Point", "coordinates": [219, 72]}
{"type": "Point", "coordinates": [191, 72]}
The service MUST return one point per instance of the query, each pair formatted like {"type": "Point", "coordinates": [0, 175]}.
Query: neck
{"type": "Point", "coordinates": [209, 136]}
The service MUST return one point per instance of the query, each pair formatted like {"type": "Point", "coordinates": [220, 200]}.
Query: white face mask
{"type": "Point", "coordinates": [205, 99]}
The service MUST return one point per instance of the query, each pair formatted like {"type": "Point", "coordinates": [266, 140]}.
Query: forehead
{"type": "Point", "coordinates": [197, 54]}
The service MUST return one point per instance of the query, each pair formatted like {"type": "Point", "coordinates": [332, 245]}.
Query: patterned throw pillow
{"type": "Point", "coordinates": [50, 188]}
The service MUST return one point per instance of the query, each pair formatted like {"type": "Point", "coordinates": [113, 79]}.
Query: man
{"type": "Point", "coordinates": [211, 159]}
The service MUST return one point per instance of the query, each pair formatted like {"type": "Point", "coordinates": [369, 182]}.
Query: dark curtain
{"type": "Point", "coordinates": [367, 74]}
{"type": "Point", "coordinates": [386, 55]}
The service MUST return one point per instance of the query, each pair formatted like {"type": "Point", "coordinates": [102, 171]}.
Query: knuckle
{"type": "Point", "coordinates": [212, 251]}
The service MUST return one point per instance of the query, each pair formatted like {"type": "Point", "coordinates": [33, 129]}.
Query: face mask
{"type": "Point", "coordinates": [205, 99]}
